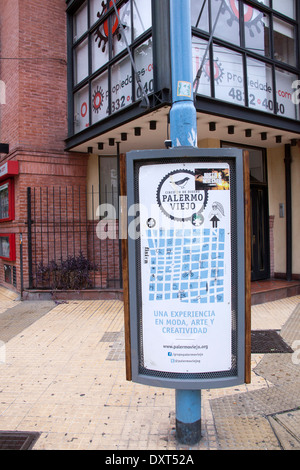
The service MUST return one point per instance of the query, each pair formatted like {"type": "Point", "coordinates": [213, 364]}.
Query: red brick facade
{"type": "Point", "coordinates": [33, 120]}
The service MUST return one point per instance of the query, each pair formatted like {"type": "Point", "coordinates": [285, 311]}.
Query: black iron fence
{"type": "Point", "coordinates": [72, 244]}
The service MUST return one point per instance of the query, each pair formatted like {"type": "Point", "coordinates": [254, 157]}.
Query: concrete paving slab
{"type": "Point", "coordinates": [7, 294]}
{"type": "Point", "coordinates": [64, 377]}
{"type": "Point", "coordinates": [21, 315]}
{"type": "Point", "coordinates": [286, 427]}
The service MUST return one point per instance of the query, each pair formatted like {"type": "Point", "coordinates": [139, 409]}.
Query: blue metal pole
{"type": "Point", "coordinates": [183, 122]}
{"type": "Point", "coordinates": [188, 416]}
{"type": "Point", "coordinates": [183, 132]}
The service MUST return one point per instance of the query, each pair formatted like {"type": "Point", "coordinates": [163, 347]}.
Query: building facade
{"type": "Point", "coordinates": [85, 81]}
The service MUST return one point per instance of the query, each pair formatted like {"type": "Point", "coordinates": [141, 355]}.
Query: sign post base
{"type": "Point", "coordinates": [188, 416]}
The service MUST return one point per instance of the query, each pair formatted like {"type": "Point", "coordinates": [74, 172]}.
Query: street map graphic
{"type": "Point", "coordinates": [187, 265]}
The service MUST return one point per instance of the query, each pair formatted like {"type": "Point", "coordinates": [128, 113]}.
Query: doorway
{"type": "Point", "coordinates": [260, 249]}
{"type": "Point", "coordinates": [260, 266]}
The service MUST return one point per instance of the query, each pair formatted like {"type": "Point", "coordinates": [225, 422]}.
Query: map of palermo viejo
{"type": "Point", "coordinates": [187, 265]}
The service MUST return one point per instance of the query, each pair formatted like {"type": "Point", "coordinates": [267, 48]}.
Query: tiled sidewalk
{"type": "Point", "coordinates": [64, 377]}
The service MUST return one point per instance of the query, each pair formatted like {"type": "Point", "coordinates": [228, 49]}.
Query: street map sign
{"type": "Point", "coordinates": [186, 266]}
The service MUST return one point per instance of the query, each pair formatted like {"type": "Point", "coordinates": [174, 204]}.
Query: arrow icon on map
{"type": "Point", "coordinates": [215, 221]}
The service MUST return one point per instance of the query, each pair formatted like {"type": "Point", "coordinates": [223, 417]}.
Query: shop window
{"type": "Point", "coordinates": [286, 7]}
{"type": "Point", "coordinates": [144, 64]}
{"type": "Point", "coordinates": [257, 39]}
{"type": "Point", "coordinates": [199, 15]}
{"type": "Point", "coordinates": [199, 48]}
{"type": "Point", "coordinates": [80, 22]}
{"type": "Point", "coordinates": [228, 25]}
{"type": "Point", "coordinates": [120, 38]}
{"type": "Point", "coordinates": [264, 2]}
{"type": "Point", "coordinates": [81, 105]}
{"type": "Point", "coordinates": [100, 57]}
{"type": "Point", "coordinates": [121, 84]}
{"type": "Point", "coordinates": [257, 162]}
{"type": "Point", "coordinates": [284, 89]}
{"type": "Point", "coordinates": [103, 78]}
{"type": "Point", "coordinates": [100, 97]}
{"type": "Point", "coordinates": [81, 62]}
{"type": "Point", "coordinates": [231, 86]}
{"type": "Point", "coordinates": [7, 203]}
{"type": "Point", "coordinates": [94, 10]}
{"type": "Point", "coordinates": [257, 166]}
{"type": "Point", "coordinates": [260, 86]}
{"type": "Point", "coordinates": [141, 17]}
{"type": "Point", "coordinates": [8, 246]}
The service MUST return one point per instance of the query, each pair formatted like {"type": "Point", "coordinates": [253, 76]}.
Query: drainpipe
{"type": "Point", "coordinates": [288, 198]}
{"type": "Point", "coordinates": [183, 132]}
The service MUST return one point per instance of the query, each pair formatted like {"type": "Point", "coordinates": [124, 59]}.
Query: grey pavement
{"type": "Point", "coordinates": [62, 375]}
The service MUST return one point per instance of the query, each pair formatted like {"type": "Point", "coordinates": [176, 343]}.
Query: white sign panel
{"type": "Point", "coordinates": [185, 221]}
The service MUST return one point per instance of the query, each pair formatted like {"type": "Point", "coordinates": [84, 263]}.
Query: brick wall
{"type": "Point", "coordinates": [33, 41]}
{"type": "Point", "coordinates": [9, 70]}
{"type": "Point", "coordinates": [33, 120]}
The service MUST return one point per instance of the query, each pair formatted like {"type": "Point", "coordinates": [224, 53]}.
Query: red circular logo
{"type": "Point", "coordinates": [84, 109]}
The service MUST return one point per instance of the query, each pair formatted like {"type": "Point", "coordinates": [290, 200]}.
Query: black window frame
{"type": "Point", "coordinates": [204, 103]}
{"type": "Point", "coordinates": [89, 35]}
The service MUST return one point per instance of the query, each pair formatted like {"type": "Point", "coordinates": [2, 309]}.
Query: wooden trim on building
{"type": "Point", "coordinates": [123, 231]}
{"type": "Point", "coordinates": [247, 208]}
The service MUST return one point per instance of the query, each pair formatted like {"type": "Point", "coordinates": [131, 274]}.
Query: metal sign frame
{"type": "Point", "coordinates": [195, 376]}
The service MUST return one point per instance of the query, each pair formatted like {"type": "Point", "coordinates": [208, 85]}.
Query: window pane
{"type": "Point", "coordinates": [257, 31]}
{"type": "Point", "coordinates": [286, 7]}
{"type": "Point", "coordinates": [142, 17]}
{"type": "Point", "coordinates": [99, 98]}
{"type": "Point", "coordinates": [95, 11]}
{"type": "Point", "coordinates": [81, 68]}
{"type": "Point", "coordinates": [265, 2]}
{"type": "Point", "coordinates": [144, 65]}
{"type": "Point", "coordinates": [119, 32]}
{"type": "Point", "coordinates": [199, 17]}
{"type": "Point", "coordinates": [80, 22]}
{"type": "Point", "coordinates": [257, 162]}
{"type": "Point", "coordinates": [4, 247]}
{"type": "Point", "coordinates": [100, 54]}
{"type": "Point", "coordinates": [81, 109]}
{"type": "Point", "coordinates": [284, 42]}
{"type": "Point", "coordinates": [109, 181]}
{"type": "Point", "coordinates": [284, 91]}
{"type": "Point", "coordinates": [231, 84]}
{"type": "Point", "coordinates": [4, 201]}
{"type": "Point", "coordinates": [199, 49]}
{"type": "Point", "coordinates": [256, 166]}
{"type": "Point", "coordinates": [228, 23]}
{"type": "Point", "coordinates": [260, 86]}
{"type": "Point", "coordinates": [101, 38]}
{"type": "Point", "coordinates": [121, 85]}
